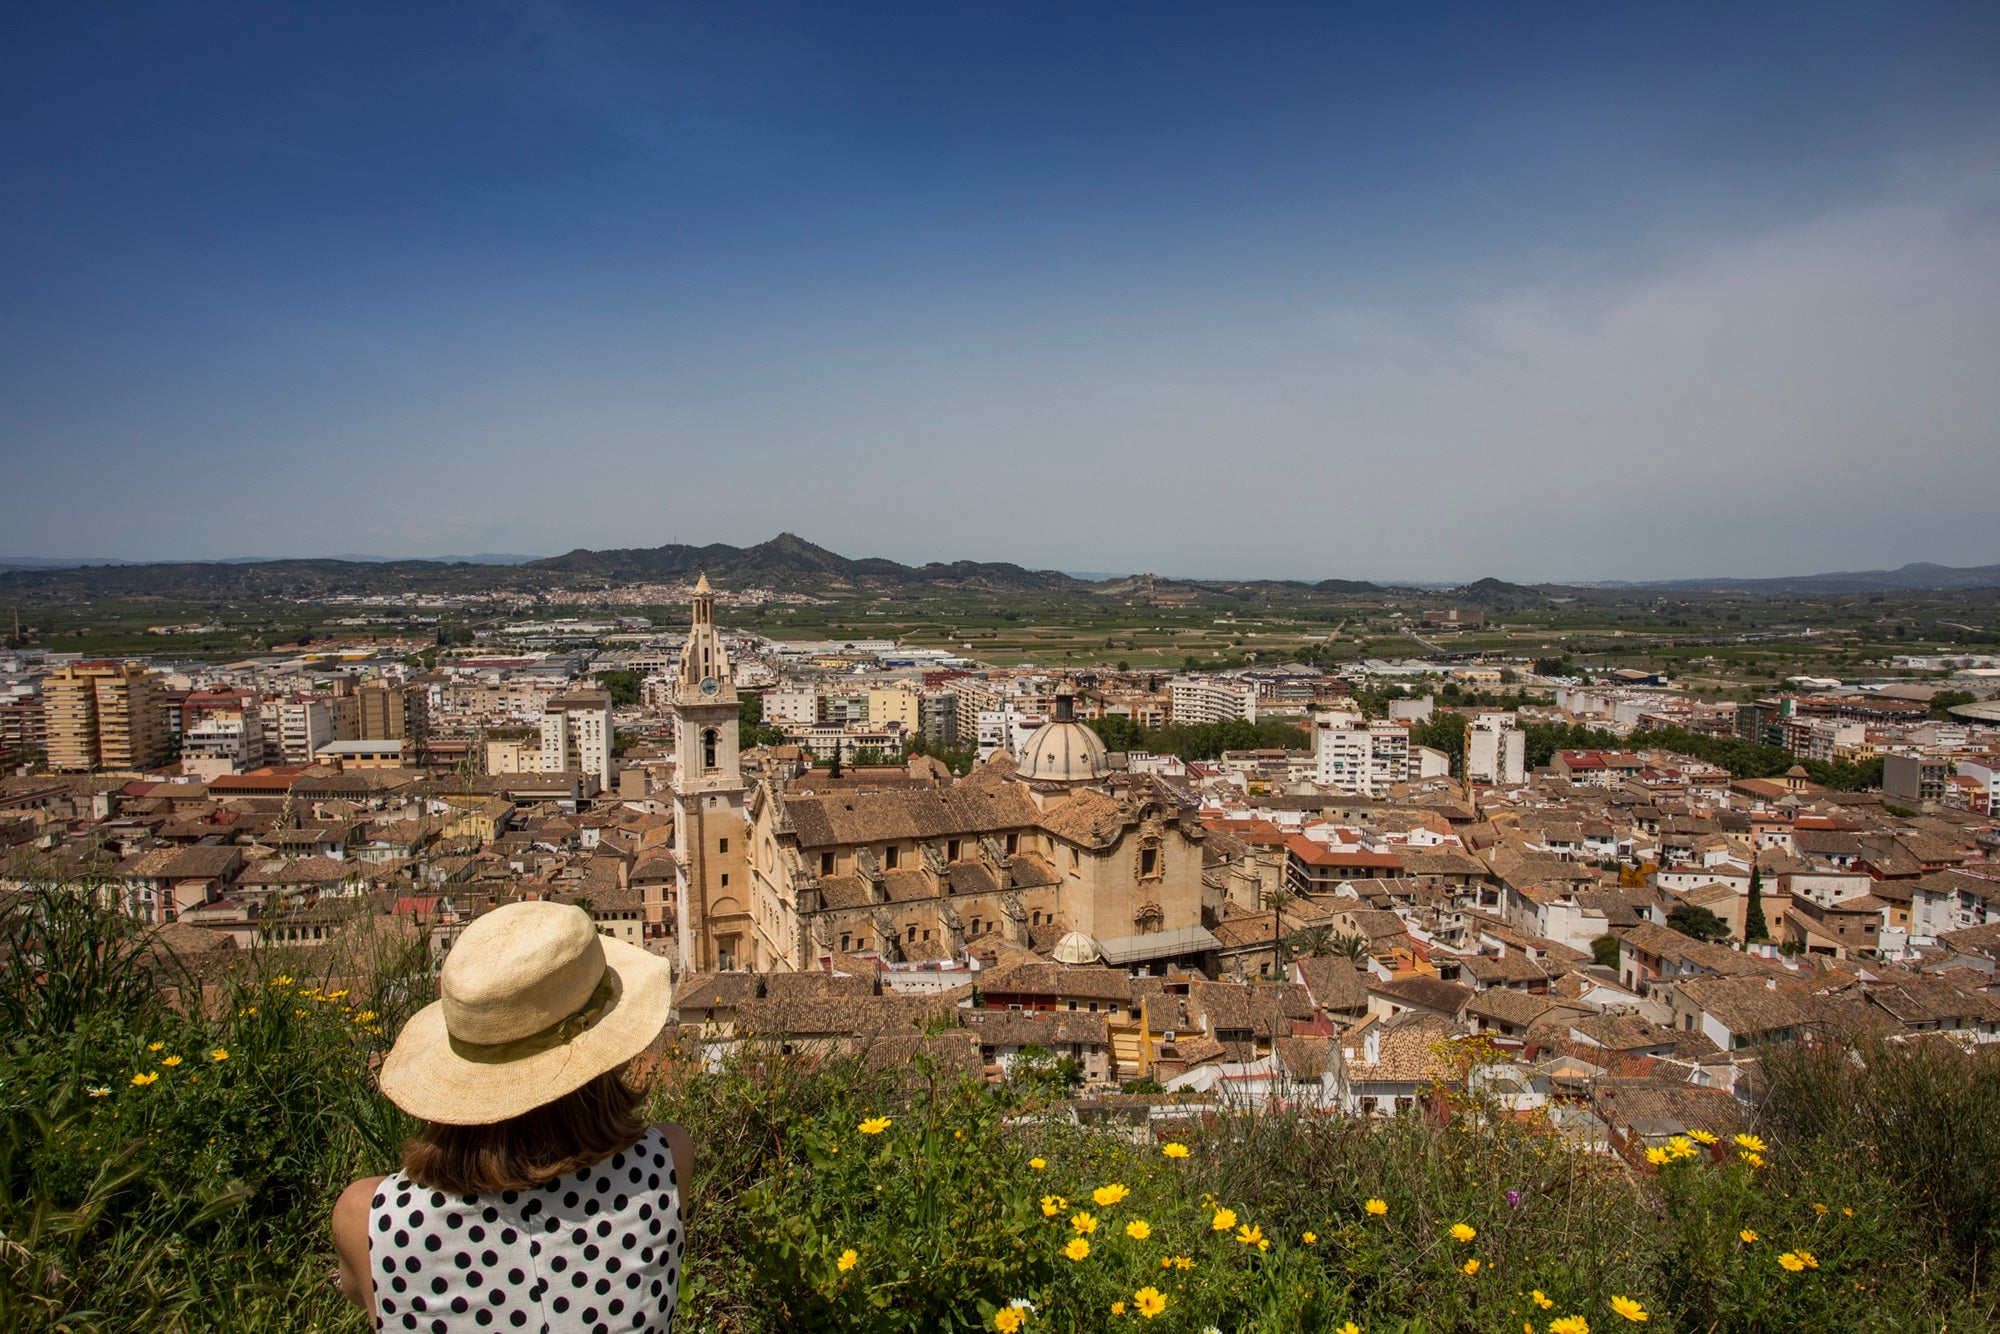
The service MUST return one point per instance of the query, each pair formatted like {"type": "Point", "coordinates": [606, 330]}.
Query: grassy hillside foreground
{"type": "Point", "coordinates": [161, 1171]}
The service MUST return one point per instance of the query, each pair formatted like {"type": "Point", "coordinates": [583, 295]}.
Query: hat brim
{"type": "Point", "coordinates": [428, 1078]}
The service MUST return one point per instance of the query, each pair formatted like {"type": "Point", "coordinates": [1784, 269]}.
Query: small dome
{"type": "Point", "coordinates": [1063, 753]}
{"type": "Point", "coordinates": [1075, 948]}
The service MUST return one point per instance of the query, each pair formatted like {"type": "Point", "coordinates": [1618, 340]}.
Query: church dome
{"type": "Point", "coordinates": [1063, 750]}
{"type": "Point", "coordinates": [1063, 753]}
{"type": "Point", "coordinates": [1075, 948]}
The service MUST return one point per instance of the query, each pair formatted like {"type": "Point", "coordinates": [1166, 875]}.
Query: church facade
{"type": "Point", "coordinates": [785, 875]}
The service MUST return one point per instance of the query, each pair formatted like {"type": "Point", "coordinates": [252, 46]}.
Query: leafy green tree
{"type": "Point", "coordinates": [1119, 733]}
{"type": "Point", "coordinates": [1754, 926]}
{"type": "Point", "coordinates": [621, 684]}
{"type": "Point", "coordinates": [1945, 701]}
{"type": "Point", "coordinates": [1691, 919]}
{"type": "Point", "coordinates": [1605, 950]}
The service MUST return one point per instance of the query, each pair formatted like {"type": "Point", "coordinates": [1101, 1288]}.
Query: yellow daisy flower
{"type": "Point", "coordinates": [1174, 1150]}
{"type": "Point", "coordinates": [1469, 1268]}
{"type": "Point", "coordinates": [1748, 1236]}
{"type": "Point", "coordinates": [1077, 1249]}
{"type": "Point", "coordinates": [1377, 1207]}
{"type": "Point", "coordinates": [1541, 1299]}
{"type": "Point", "coordinates": [145, 1079]}
{"type": "Point", "coordinates": [171, 1060]}
{"type": "Point", "coordinates": [1083, 1222]}
{"type": "Point", "coordinates": [1138, 1229]}
{"type": "Point", "coordinates": [1628, 1308]}
{"type": "Point", "coordinates": [1463, 1232]}
{"type": "Point", "coordinates": [1250, 1236]}
{"type": "Point", "coordinates": [848, 1259]}
{"type": "Point", "coordinates": [1106, 1196]}
{"type": "Point", "coordinates": [1569, 1324]}
{"type": "Point", "coordinates": [874, 1125]}
{"type": "Point", "coordinates": [1224, 1220]}
{"type": "Point", "coordinates": [1038, 1163]}
{"type": "Point", "coordinates": [1750, 1142]}
{"type": "Point", "coordinates": [1703, 1136]}
{"type": "Point", "coordinates": [1149, 1301]}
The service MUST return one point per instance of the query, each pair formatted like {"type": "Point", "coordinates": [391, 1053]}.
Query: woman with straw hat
{"type": "Point", "coordinates": [534, 1198]}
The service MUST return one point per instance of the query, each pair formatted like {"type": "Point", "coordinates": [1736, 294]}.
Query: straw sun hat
{"type": "Point", "coordinates": [533, 1004]}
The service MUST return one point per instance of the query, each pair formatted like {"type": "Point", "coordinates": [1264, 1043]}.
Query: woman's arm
{"type": "Point", "coordinates": [350, 1241]}
{"type": "Point", "coordinates": [682, 1147]}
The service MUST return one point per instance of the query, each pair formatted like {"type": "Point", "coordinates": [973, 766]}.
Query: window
{"type": "Point", "coordinates": [1013, 844]}
{"type": "Point", "coordinates": [1149, 861]}
{"type": "Point", "coordinates": [725, 880]}
{"type": "Point", "coordinates": [913, 936]}
{"type": "Point", "coordinates": [889, 857]}
{"type": "Point", "coordinates": [844, 942]}
{"type": "Point", "coordinates": [722, 845]}
{"type": "Point", "coordinates": [826, 863]}
{"type": "Point", "coordinates": [951, 850]}
{"type": "Point", "coordinates": [710, 740]}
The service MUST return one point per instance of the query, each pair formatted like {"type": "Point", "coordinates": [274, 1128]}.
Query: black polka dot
{"type": "Point", "coordinates": [620, 1202]}
{"type": "Point", "coordinates": [454, 1221]}
{"type": "Point", "coordinates": [656, 1287]}
{"type": "Point", "coordinates": [389, 1265]}
{"type": "Point", "coordinates": [617, 1304]}
{"type": "Point", "coordinates": [559, 1305]}
{"type": "Point", "coordinates": [590, 1314]}
{"type": "Point", "coordinates": [507, 1197]}
{"type": "Point", "coordinates": [603, 1227]}
{"type": "Point", "coordinates": [438, 1285]}
{"type": "Point", "coordinates": [517, 1318]}
{"type": "Point", "coordinates": [590, 1208]}
{"type": "Point", "coordinates": [590, 1251]}
{"type": "Point", "coordinates": [516, 1277]}
{"type": "Point", "coordinates": [638, 1320]}
{"type": "Point", "coordinates": [569, 1200]}
{"type": "Point", "coordinates": [440, 1327]}
{"type": "Point", "coordinates": [432, 1243]}
{"type": "Point", "coordinates": [475, 1233]}
{"type": "Point", "coordinates": [559, 1263]}
{"type": "Point", "coordinates": [578, 1279]}
{"type": "Point", "coordinates": [437, 1199]}
{"type": "Point", "coordinates": [389, 1305]}
{"type": "Point", "coordinates": [499, 1296]}
{"type": "Point", "coordinates": [653, 1181]}
{"type": "Point", "coordinates": [378, 1201]}
{"type": "Point", "coordinates": [409, 1321]}
{"type": "Point", "coordinates": [403, 1200]}
{"type": "Point", "coordinates": [474, 1279]}
{"type": "Point", "coordinates": [410, 1263]}
{"type": "Point", "coordinates": [482, 1316]}
{"type": "Point", "coordinates": [488, 1258]}
{"type": "Point", "coordinates": [399, 1283]}
{"type": "Point", "coordinates": [645, 1256]}
{"type": "Point", "coordinates": [418, 1302]}
{"type": "Point", "coordinates": [507, 1235]}
{"type": "Point", "coordinates": [636, 1176]}
{"type": "Point", "coordinates": [611, 1264]}
{"type": "Point", "coordinates": [416, 1218]}
{"type": "Point", "coordinates": [382, 1223]}
{"type": "Point", "coordinates": [402, 1239]}
{"type": "Point", "coordinates": [632, 1279]}
{"type": "Point", "coordinates": [462, 1260]}
{"type": "Point", "coordinates": [579, 1236]}
{"type": "Point", "coordinates": [460, 1305]}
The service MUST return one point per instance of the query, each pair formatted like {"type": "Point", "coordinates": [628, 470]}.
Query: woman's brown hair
{"type": "Point", "coordinates": [572, 1132]}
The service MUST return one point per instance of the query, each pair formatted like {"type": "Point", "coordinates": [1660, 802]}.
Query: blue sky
{"type": "Point", "coordinates": [1580, 291]}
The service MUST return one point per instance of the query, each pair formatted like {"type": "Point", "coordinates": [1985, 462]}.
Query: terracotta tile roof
{"type": "Point", "coordinates": [839, 819]}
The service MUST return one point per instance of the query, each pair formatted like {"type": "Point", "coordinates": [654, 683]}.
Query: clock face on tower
{"type": "Point", "coordinates": [709, 685]}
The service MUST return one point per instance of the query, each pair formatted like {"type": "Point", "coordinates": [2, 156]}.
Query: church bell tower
{"type": "Point", "coordinates": [711, 832]}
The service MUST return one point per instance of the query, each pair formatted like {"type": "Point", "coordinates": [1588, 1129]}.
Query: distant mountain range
{"type": "Point", "coordinates": [1917, 577]}
{"type": "Point", "coordinates": [790, 563]}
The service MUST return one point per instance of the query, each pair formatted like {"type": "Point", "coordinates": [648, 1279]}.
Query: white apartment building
{"type": "Point", "coordinates": [1496, 752]}
{"type": "Point", "coordinates": [227, 741]}
{"type": "Point", "coordinates": [791, 704]}
{"type": "Point", "coordinates": [304, 726]}
{"type": "Point", "coordinates": [1211, 699]}
{"type": "Point", "coordinates": [576, 735]}
{"type": "Point", "coordinates": [1359, 757]}
{"type": "Point", "coordinates": [1006, 729]}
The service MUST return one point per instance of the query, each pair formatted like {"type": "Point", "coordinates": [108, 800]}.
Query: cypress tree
{"type": "Point", "coordinates": [1754, 925]}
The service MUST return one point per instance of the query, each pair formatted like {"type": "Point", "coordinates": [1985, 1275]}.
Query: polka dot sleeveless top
{"type": "Point", "coordinates": [591, 1252]}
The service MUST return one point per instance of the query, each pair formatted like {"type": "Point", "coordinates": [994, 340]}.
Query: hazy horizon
{"type": "Point", "coordinates": [1586, 293]}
